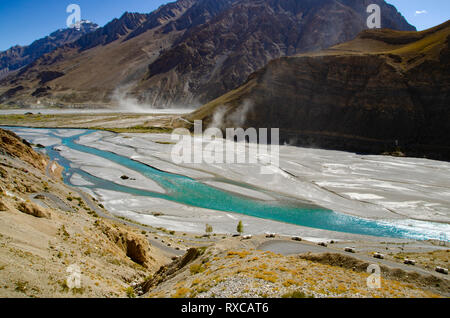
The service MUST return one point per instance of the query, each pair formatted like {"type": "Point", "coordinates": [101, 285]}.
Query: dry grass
{"type": "Point", "coordinates": [427, 260]}
{"type": "Point", "coordinates": [251, 273]}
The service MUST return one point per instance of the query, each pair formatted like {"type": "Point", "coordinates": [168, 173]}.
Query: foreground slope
{"type": "Point", "coordinates": [385, 91]}
{"type": "Point", "coordinates": [90, 69]}
{"type": "Point", "coordinates": [236, 268]}
{"type": "Point", "coordinates": [45, 228]}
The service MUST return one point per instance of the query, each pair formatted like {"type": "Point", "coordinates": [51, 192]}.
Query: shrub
{"type": "Point", "coordinates": [130, 292]}
{"type": "Point", "coordinates": [240, 227]}
{"type": "Point", "coordinates": [296, 294]}
{"type": "Point", "coordinates": [208, 229]}
{"type": "Point", "coordinates": [196, 269]}
{"type": "Point", "coordinates": [21, 286]}
{"type": "Point", "coordinates": [181, 292]}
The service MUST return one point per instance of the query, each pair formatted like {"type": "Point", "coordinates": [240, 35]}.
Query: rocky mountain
{"type": "Point", "coordinates": [215, 57]}
{"type": "Point", "coordinates": [93, 67]}
{"type": "Point", "coordinates": [19, 56]}
{"type": "Point", "coordinates": [111, 32]}
{"type": "Point", "coordinates": [187, 52]}
{"type": "Point", "coordinates": [385, 91]}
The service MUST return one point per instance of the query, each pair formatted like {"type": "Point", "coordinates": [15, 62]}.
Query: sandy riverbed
{"type": "Point", "coordinates": [368, 186]}
{"type": "Point", "coordinates": [376, 187]}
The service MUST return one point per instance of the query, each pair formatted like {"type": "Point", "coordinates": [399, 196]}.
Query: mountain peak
{"type": "Point", "coordinates": [84, 24]}
{"type": "Point", "coordinates": [18, 56]}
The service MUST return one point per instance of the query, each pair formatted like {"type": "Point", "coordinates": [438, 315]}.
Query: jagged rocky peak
{"type": "Point", "coordinates": [111, 31]}
{"type": "Point", "coordinates": [19, 56]}
{"type": "Point", "coordinates": [84, 25]}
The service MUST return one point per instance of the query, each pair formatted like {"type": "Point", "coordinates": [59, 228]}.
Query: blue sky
{"type": "Point", "coordinates": [23, 21]}
{"type": "Point", "coordinates": [423, 14]}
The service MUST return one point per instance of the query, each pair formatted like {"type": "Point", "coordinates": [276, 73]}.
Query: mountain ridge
{"type": "Point", "coordinates": [187, 52]}
{"type": "Point", "coordinates": [196, 53]}
{"type": "Point", "coordinates": [18, 56]}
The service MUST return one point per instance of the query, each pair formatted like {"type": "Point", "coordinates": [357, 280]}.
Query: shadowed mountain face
{"type": "Point", "coordinates": [385, 91]}
{"type": "Point", "coordinates": [19, 56]}
{"type": "Point", "coordinates": [188, 52]}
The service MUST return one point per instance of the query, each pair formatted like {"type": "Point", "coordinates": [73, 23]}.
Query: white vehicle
{"type": "Point", "coordinates": [409, 261]}
{"type": "Point", "coordinates": [378, 255]}
{"type": "Point", "coordinates": [350, 249]}
{"type": "Point", "coordinates": [442, 270]}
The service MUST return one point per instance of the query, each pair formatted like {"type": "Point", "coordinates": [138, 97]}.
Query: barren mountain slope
{"type": "Point", "coordinates": [90, 69]}
{"type": "Point", "coordinates": [385, 91]}
{"type": "Point", "coordinates": [187, 52]}
{"type": "Point", "coordinates": [218, 56]}
{"type": "Point", "coordinates": [19, 56]}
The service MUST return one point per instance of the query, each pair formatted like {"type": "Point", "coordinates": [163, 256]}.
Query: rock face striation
{"type": "Point", "coordinates": [188, 52]}
{"type": "Point", "coordinates": [385, 91]}
{"type": "Point", "coordinates": [215, 57]}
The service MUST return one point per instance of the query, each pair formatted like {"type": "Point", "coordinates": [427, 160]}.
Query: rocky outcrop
{"type": "Point", "coordinates": [16, 147]}
{"type": "Point", "coordinates": [110, 32]}
{"type": "Point", "coordinates": [10, 93]}
{"type": "Point", "coordinates": [385, 91]}
{"type": "Point", "coordinates": [33, 210]}
{"type": "Point", "coordinates": [170, 270]}
{"type": "Point", "coordinates": [2, 206]}
{"type": "Point", "coordinates": [165, 14]}
{"type": "Point", "coordinates": [134, 246]}
{"type": "Point", "coordinates": [48, 76]}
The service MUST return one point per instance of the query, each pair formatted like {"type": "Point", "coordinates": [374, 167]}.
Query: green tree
{"type": "Point", "coordinates": [240, 227]}
{"type": "Point", "coordinates": [208, 229]}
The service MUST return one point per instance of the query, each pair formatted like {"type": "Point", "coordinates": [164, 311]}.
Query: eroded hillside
{"type": "Point", "coordinates": [46, 229]}
{"type": "Point", "coordinates": [236, 268]}
{"type": "Point", "coordinates": [385, 91]}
